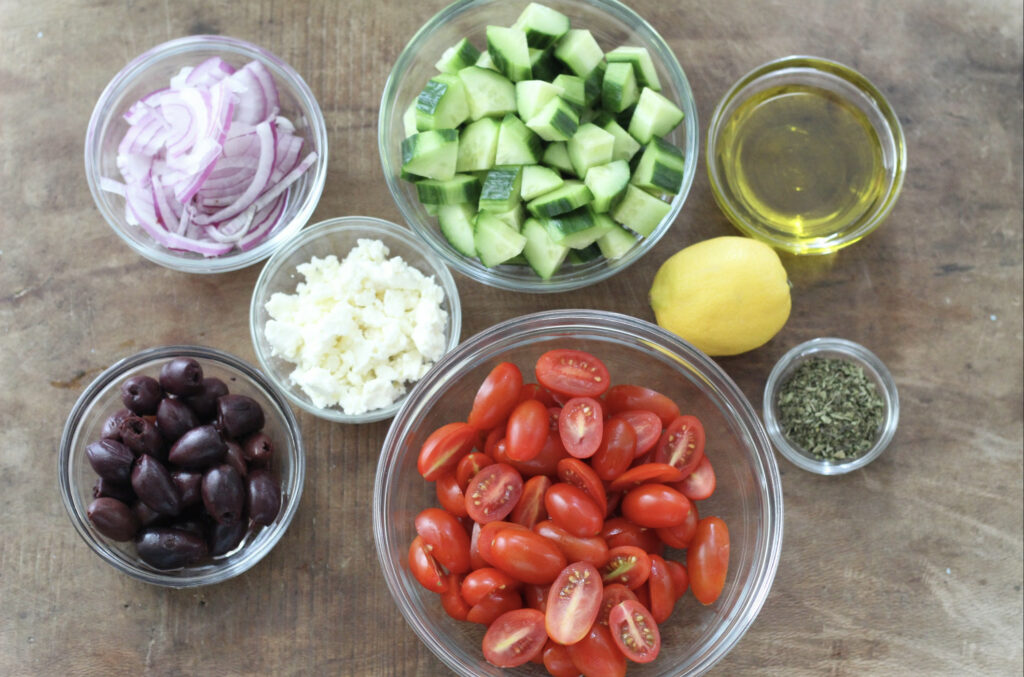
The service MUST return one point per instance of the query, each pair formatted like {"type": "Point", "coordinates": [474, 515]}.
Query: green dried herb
{"type": "Point", "coordinates": [830, 408]}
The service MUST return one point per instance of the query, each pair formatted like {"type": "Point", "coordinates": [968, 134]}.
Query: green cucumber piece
{"type": "Point", "coordinates": [625, 145]}
{"type": "Point", "coordinates": [501, 189]}
{"type": "Point", "coordinates": [478, 145]}
{"type": "Point", "coordinates": [409, 120]}
{"type": "Point", "coordinates": [573, 89]}
{"type": "Point", "coordinates": [442, 103]}
{"type": "Point", "coordinates": [513, 217]}
{"type": "Point", "coordinates": [660, 168]}
{"type": "Point", "coordinates": [589, 147]}
{"type": "Point", "coordinates": [570, 195]}
{"type": "Point", "coordinates": [542, 25]}
{"type": "Point", "coordinates": [556, 121]}
{"type": "Point", "coordinates": [587, 254]}
{"type": "Point", "coordinates": [509, 52]}
{"type": "Point", "coordinates": [593, 83]}
{"type": "Point", "coordinates": [462, 188]}
{"type": "Point", "coordinates": [517, 143]}
{"type": "Point", "coordinates": [619, 90]}
{"type": "Point", "coordinates": [431, 155]}
{"type": "Point", "coordinates": [543, 254]}
{"type": "Point", "coordinates": [460, 55]}
{"type": "Point", "coordinates": [653, 116]}
{"type": "Point", "coordinates": [495, 241]}
{"type": "Point", "coordinates": [539, 180]}
{"type": "Point", "coordinates": [543, 65]}
{"type": "Point", "coordinates": [532, 96]}
{"type": "Point", "coordinates": [486, 62]}
{"type": "Point", "coordinates": [578, 228]}
{"type": "Point", "coordinates": [488, 93]}
{"type": "Point", "coordinates": [616, 242]}
{"type": "Point", "coordinates": [639, 211]}
{"type": "Point", "coordinates": [557, 155]}
{"type": "Point", "coordinates": [608, 184]}
{"type": "Point", "coordinates": [456, 222]}
{"type": "Point", "coordinates": [643, 66]}
{"type": "Point", "coordinates": [579, 51]}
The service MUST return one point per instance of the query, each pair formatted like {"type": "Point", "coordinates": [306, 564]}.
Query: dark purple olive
{"type": "Point", "coordinates": [189, 525]}
{"type": "Point", "coordinates": [174, 419]}
{"type": "Point", "coordinates": [235, 458]}
{"type": "Point", "coordinates": [113, 519]}
{"type": "Point", "coordinates": [141, 436]}
{"type": "Point", "coordinates": [111, 460]}
{"type": "Point", "coordinates": [189, 485]}
{"type": "Point", "coordinates": [223, 494]}
{"type": "Point", "coordinates": [204, 404]}
{"type": "Point", "coordinates": [223, 538]}
{"type": "Point", "coordinates": [146, 515]}
{"type": "Point", "coordinates": [258, 450]}
{"type": "Point", "coordinates": [167, 548]}
{"type": "Point", "coordinates": [141, 394]}
{"type": "Point", "coordinates": [239, 415]}
{"type": "Point", "coordinates": [182, 376]}
{"type": "Point", "coordinates": [264, 496]}
{"type": "Point", "coordinates": [110, 426]}
{"type": "Point", "coordinates": [198, 448]}
{"type": "Point", "coordinates": [154, 486]}
{"type": "Point", "coordinates": [107, 489]}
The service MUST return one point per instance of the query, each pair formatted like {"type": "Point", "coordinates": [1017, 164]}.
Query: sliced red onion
{"type": "Point", "coordinates": [209, 72]}
{"type": "Point", "coordinates": [265, 132]}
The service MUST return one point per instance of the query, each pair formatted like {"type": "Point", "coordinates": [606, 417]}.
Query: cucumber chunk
{"type": "Point", "coordinates": [625, 145]}
{"type": "Point", "coordinates": [509, 52]}
{"type": "Point", "coordinates": [608, 184]}
{"type": "Point", "coordinates": [543, 254]}
{"type": "Point", "coordinates": [486, 62]}
{"type": "Point", "coordinates": [557, 121]}
{"type": "Point", "coordinates": [557, 155]}
{"type": "Point", "coordinates": [488, 93]}
{"type": "Point", "coordinates": [639, 211]}
{"type": "Point", "coordinates": [409, 120]}
{"type": "Point", "coordinates": [569, 196]}
{"type": "Point", "coordinates": [593, 83]}
{"type": "Point", "coordinates": [589, 147]}
{"type": "Point", "coordinates": [573, 89]}
{"type": "Point", "coordinates": [542, 25]}
{"type": "Point", "coordinates": [431, 155]}
{"type": "Point", "coordinates": [513, 217]}
{"type": "Point", "coordinates": [616, 242]}
{"type": "Point", "coordinates": [543, 65]}
{"type": "Point", "coordinates": [654, 116]}
{"type": "Point", "coordinates": [533, 95]}
{"type": "Point", "coordinates": [517, 143]}
{"type": "Point", "coordinates": [460, 189]}
{"type": "Point", "coordinates": [619, 90]}
{"type": "Point", "coordinates": [587, 254]}
{"type": "Point", "coordinates": [460, 55]}
{"type": "Point", "coordinates": [442, 103]}
{"type": "Point", "coordinates": [579, 51]}
{"type": "Point", "coordinates": [478, 145]}
{"type": "Point", "coordinates": [501, 189]}
{"type": "Point", "coordinates": [643, 65]}
{"type": "Point", "coordinates": [578, 228]}
{"type": "Point", "coordinates": [456, 222]}
{"type": "Point", "coordinates": [539, 180]}
{"type": "Point", "coordinates": [660, 169]}
{"type": "Point", "coordinates": [495, 241]}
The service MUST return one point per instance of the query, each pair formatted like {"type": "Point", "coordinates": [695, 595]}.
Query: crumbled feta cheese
{"type": "Point", "coordinates": [358, 330]}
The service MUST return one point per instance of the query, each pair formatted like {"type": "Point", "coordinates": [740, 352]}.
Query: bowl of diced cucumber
{"type": "Point", "coordinates": [538, 147]}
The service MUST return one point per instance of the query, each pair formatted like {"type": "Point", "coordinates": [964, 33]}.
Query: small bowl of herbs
{"type": "Point", "coordinates": [830, 406]}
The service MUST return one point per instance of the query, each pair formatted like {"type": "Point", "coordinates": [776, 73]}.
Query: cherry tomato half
{"type": "Point", "coordinates": [707, 559]}
{"type": "Point", "coordinates": [682, 444]}
{"type": "Point", "coordinates": [486, 537]}
{"type": "Point", "coordinates": [644, 473]}
{"type": "Point", "coordinates": [530, 509]}
{"type": "Point", "coordinates": [680, 578]}
{"type": "Point", "coordinates": [425, 568]}
{"type": "Point", "coordinates": [575, 548]}
{"type": "Point", "coordinates": [573, 602]}
{"type": "Point", "coordinates": [482, 582]}
{"type": "Point", "coordinates": [444, 448]}
{"type": "Point", "coordinates": [699, 484]}
{"type": "Point", "coordinates": [625, 397]}
{"type": "Point", "coordinates": [634, 631]}
{"type": "Point", "coordinates": [619, 531]}
{"type": "Point", "coordinates": [496, 397]}
{"type": "Point", "coordinates": [494, 605]}
{"type": "Point", "coordinates": [572, 372]}
{"type": "Point", "coordinates": [613, 594]}
{"type": "Point", "coordinates": [451, 598]}
{"type": "Point", "coordinates": [627, 565]}
{"type": "Point", "coordinates": [493, 493]}
{"type": "Point", "coordinates": [446, 540]}
{"type": "Point", "coordinates": [514, 638]}
{"type": "Point", "coordinates": [680, 536]}
{"type": "Point", "coordinates": [616, 450]}
{"type": "Point", "coordinates": [647, 427]}
{"type": "Point", "coordinates": [527, 430]}
{"type": "Point", "coordinates": [527, 556]}
{"type": "Point", "coordinates": [655, 505]}
{"type": "Point", "coordinates": [596, 654]}
{"type": "Point", "coordinates": [450, 495]}
{"type": "Point", "coordinates": [581, 426]}
{"type": "Point", "coordinates": [557, 661]}
{"type": "Point", "coordinates": [577, 473]}
{"type": "Point", "coordinates": [661, 588]}
{"type": "Point", "coordinates": [544, 463]}
{"type": "Point", "coordinates": [469, 466]}
{"type": "Point", "coordinates": [572, 509]}
{"type": "Point", "coordinates": [532, 391]}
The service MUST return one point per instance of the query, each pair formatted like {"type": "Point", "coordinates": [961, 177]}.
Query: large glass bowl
{"type": "Point", "coordinates": [748, 497]}
{"type": "Point", "coordinates": [612, 24]}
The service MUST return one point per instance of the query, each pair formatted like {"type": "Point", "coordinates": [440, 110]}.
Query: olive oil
{"type": "Point", "coordinates": [801, 161]}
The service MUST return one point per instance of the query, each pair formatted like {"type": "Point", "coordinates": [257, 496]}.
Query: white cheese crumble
{"type": "Point", "coordinates": [358, 330]}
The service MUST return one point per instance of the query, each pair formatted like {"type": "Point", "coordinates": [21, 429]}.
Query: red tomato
{"type": "Point", "coordinates": [494, 605]}
{"type": "Point", "coordinates": [451, 598]}
{"type": "Point", "coordinates": [424, 567]}
{"type": "Point", "coordinates": [707, 559]}
{"type": "Point", "coordinates": [596, 654]}
{"type": "Point", "coordinates": [577, 473]}
{"type": "Point", "coordinates": [625, 397]}
{"type": "Point", "coordinates": [572, 372]}
{"type": "Point", "coordinates": [496, 396]}
{"type": "Point", "coordinates": [494, 435]}
{"type": "Point", "coordinates": [530, 508]}
{"type": "Point", "coordinates": [446, 539]}
{"type": "Point", "coordinates": [660, 585]}
{"type": "Point", "coordinates": [647, 427]}
{"type": "Point", "coordinates": [655, 505]}
{"type": "Point", "coordinates": [700, 484]}
{"type": "Point", "coordinates": [613, 594]}
{"type": "Point", "coordinates": [680, 536]}
{"type": "Point", "coordinates": [572, 509]}
{"type": "Point", "coordinates": [475, 560]}
{"type": "Point", "coordinates": [482, 582]}
{"type": "Point", "coordinates": [619, 531]}
{"type": "Point", "coordinates": [573, 603]}
{"type": "Point", "coordinates": [444, 448]}
{"type": "Point", "coordinates": [682, 444]}
{"type": "Point", "coordinates": [581, 426]}
{"type": "Point", "coordinates": [634, 631]}
{"type": "Point", "coordinates": [680, 579]}
{"type": "Point", "coordinates": [627, 565]}
{"type": "Point", "coordinates": [557, 661]}
{"type": "Point", "coordinates": [469, 466]}
{"type": "Point", "coordinates": [527, 430]}
{"type": "Point", "coordinates": [532, 391]}
{"type": "Point", "coordinates": [616, 451]}
{"type": "Point", "coordinates": [450, 496]}
{"type": "Point", "coordinates": [575, 548]}
{"type": "Point", "coordinates": [646, 472]}
{"type": "Point", "coordinates": [536, 596]}
{"type": "Point", "coordinates": [515, 638]}
{"type": "Point", "coordinates": [527, 556]}
{"type": "Point", "coordinates": [486, 537]}
{"type": "Point", "coordinates": [493, 493]}
{"type": "Point", "coordinates": [544, 463]}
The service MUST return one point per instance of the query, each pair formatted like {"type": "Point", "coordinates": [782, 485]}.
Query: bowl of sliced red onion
{"type": "Point", "coordinates": [206, 154]}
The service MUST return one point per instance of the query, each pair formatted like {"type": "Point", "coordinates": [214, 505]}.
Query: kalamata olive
{"type": "Point", "coordinates": [141, 394]}
{"type": "Point", "coordinates": [189, 485]}
{"type": "Point", "coordinates": [141, 436]}
{"type": "Point", "coordinates": [167, 548]}
{"type": "Point", "coordinates": [204, 404]}
{"type": "Point", "coordinates": [263, 496]}
{"type": "Point", "coordinates": [190, 525]}
{"type": "Point", "coordinates": [235, 458]}
{"type": "Point", "coordinates": [223, 538]}
{"type": "Point", "coordinates": [110, 426]}
{"type": "Point", "coordinates": [111, 460]}
{"type": "Point", "coordinates": [154, 486]}
{"type": "Point", "coordinates": [105, 488]}
{"type": "Point", "coordinates": [113, 519]}
{"type": "Point", "coordinates": [198, 448]}
{"type": "Point", "coordinates": [258, 450]}
{"type": "Point", "coordinates": [223, 494]}
{"type": "Point", "coordinates": [174, 419]}
{"type": "Point", "coordinates": [182, 376]}
{"type": "Point", "coordinates": [146, 515]}
{"type": "Point", "coordinates": [239, 415]}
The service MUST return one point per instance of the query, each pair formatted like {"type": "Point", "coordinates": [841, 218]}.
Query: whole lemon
{"type": "Point", "coordinates": [726, 295]}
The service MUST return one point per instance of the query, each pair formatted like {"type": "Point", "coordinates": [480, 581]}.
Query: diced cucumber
{"type": "Point", "coordinates": [654, 116]}
{"type": "Point", "coordinates": [589, 147]}
{"type": "Point", "coordinates": [571, 195]}
{"type": "Point", "coordinates": [608, 184]}
{"type": "Point", "coordinates": [587, 254]}
{"type": "Point", "coordinates": [544, 255]}
{"type": "Point", "coordinates": [409, 120]}
{"type": "Point", "coordinates": [616, 242]}
{"type": "Point", "coordinates": [456, 222]}
{"type": "Point", "coordinates": [442, 103]}
{"type": "Point", "coordinates": [462, 188]}
{"type": "Point", "coordinates": [579, 51]}
{"type": "Point", "coordinates": [486, 62]}
{"type": "Point", "coordinates": [539, 180]}
{"type": "Point", "coordinates": [488, 93]}
{"type": "Point", "coordinates": [543, 26]}
{"type": "Point", "coordinates": [517, 143]}
{"type": "Point", "coordinates": [660, 168]}
{"type": "Point", "coordinates": [533, 95]}
{"type": "Point", "coordinates": [513, 217]}
{"type": "Point", "coordinates": [643, 66]}
{"type": "Point", "coordinates": [625, 145]}
{"type": "Point", "coordinates": [543, 65]}
{"type": "Point", "coordinates": [619, 90]}
{"type": "Point", "coordinates": [431, 209]}
{"type": "Point", "coordinates": [593, 83]}
{"type": "Point", "coordinates": [501, 189]}
{"type": "Point", "coordinates": [573, 89]}
{"type": "Point", "coordinates": [557, 155]}
{"type": "Point", "coordinates": [639, 211]}
{"type": "Point", "coordinates": [509, 52]}
{"type": "Point", "coordinates": [578, 228]}
{"type": "Point", "coordinates": [478, 144]}
{"type": "Point", "coordinates": [460, 55]}
{"type": "Point", "coordinates": [556, 121]}
{"type": "Point", "coordinates": [495, 241]}
{"type": "Point", "coordinates": [432, 155]}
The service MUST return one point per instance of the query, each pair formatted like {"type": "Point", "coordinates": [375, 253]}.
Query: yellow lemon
{"type": "Point", "coordinates": [726, 295]}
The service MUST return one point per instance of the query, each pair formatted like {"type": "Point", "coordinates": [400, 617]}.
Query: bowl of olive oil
{"type": "Point", "coordinates": [805, 154]}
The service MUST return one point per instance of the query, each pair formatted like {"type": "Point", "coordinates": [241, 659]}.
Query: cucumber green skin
{"type": "Point", "coordinates": [501, 189]}
{"type": "Point", "coordinates": [557, 121]}
{"type": "Point", "coordinates": [543, 26]}
{"type": "Point", "coordinates": [660, 168]}
{"type": "Point", "coordinates": [618, 89]}
{"type": "Point", "coordinates": [643, 65]}
{"type": "Point", "coordinates": [572, 195]}
{"type": "Point", "coordinates": [543, 65]}
{"type": "Point", "coordinates": [441, 104]}
{"type": "Point", "coordinates": [579, 51]}
{"type": "Point", "coordinates": [501, 49]}
{"type": "Point", "coordinates": [431, 155]}
{"type": "Point", "coordinates": [458, 190]}
{"type": "Point", "coordinates": [585, 255]}
{"type": "Point", "coordinates": [458, 56]}
{"type": "Point", "coordinates": [578, 228]}
{"type": "Point", "coordinates": [592, 85]}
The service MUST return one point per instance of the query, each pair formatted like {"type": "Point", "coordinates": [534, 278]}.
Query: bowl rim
{"type": "Point", "coordinates": [317, 135]}
{"type": "Point", "coordinates": [114, 372]}
{"type": "Point", "coordinates": [844, 349]}
{"type": "Point", "coordinates": [837, 72]}
{"type": "Point", "coordinates": [767, 549]}
{"type": "Point", "coordinates": [374, 227]}
{"type": "Point", "coordinates": [496, 277]}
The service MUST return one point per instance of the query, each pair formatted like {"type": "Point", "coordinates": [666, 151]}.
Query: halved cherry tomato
{"type": "Point", "coordinates": [644, 473]}
{"type": "Point", "coordinates": [596, 654]}
{"type": "Point", "coordinates": [573, 603]}
{"type": "Point", "coordinates": [572, 372]}
{"type": "Point", "coordinates": [613, 594]}
{"type": "Point", "coordinates": [450, 495]}
{"type": "Point", "coordinates": [532, 391]}
{"type": "Point", "coordinates": [647, 427]}
{"type": "Point", "coordinates": [634, 631]}
{"type": "Point", "coordinates": [527, 556]}
{"type": "Point", "coordinates": [625, 397]}
{"type": "Point", "coordinates": [581, 426]}
{"type": "Point", "coordinates": [496, 397]}
{"type": "Point", "coordinates": [486, 537]}
{"type": "Point", "coordinates": [655, 505]}
{"type": "Point", "coordinates": [515, 638]}
{"type": "Point", "coordinates": [494, 435]}
{"type": "Point", "coordinates": [680, 578]}
{"type": "Point", "coordinates": [699, 484]}
{"type": "Point", "coordinates": [493, 493]}
{"type": "Point", "coordinates": [530, 509]}
{"type": "Point", "coordinates": [536, 596]}
{"type": "Point", "coordinates": [469, 466]}
{"type": "Point", "coordinates": [680, 536]}
{"type": "Point", "coordinates": [475, 560]}
{"type": "Point", "coordinates": [661, 588]}
{"type": "Point", "coordinates": [616, 450]}
{"type": "Point", "coordinates": [544, 463]}
{"type": "Point", "coordinates": [577, 473]}
{"type": "Point", "coordinates": [527, 430]}
{"type": "Point", "coordinates": [494, 605]}
{"type": "Point", "coordinates": [557, 661]}
{"type": "Point", "coordinates": [572, 509]}
{"type": "Point", "coordinates": [627, 565]}
{"type": "Point", "coordinates": [446, 539]}
{"type": "Point", "coordinates": [575, 548]}
{"type": "Point", "coordinates": [619, 531]}
{"type": "Point", "coordinates": [444, 448]}
{"type": "Point", "coordinates": [682, 444]}
{"type": "Point", "coordinates": [425, 568]}
{"type": "Point", "coordinates": [707, 559]}
{"type": "Point", "coordinates": [482, 582]}
{"type": "Point", "coordinates": [451, 598]}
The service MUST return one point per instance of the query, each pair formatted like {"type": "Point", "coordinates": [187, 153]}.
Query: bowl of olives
{"type": "Point", "coordinates": [181, 466]}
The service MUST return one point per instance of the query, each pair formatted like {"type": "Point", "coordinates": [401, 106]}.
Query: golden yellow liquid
{"type": "Point", "coordinates": [801, 161]}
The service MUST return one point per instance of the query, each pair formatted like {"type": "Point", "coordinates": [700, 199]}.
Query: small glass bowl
{"type": "Point", "coordinates": [338, 236]}
{"type": "Point", "coordinates": [843, 82]}
{"type": "Point", "coordinates": [612, 24]}
{"type": "Point", "coordinates": [873, 368]}
{"type": "Point", "coordinates": [152, 71]}
{"type": "Point", "coordinates": [102, 398]}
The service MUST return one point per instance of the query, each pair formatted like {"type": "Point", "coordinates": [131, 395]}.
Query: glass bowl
{"type": "Point", "coordinates": [612, 24]}
{"type": "Point", "coordinates": [102, 398]}
{"type": "Point", "coordinates": [840, 83]}
{"type": "Point", "coordinates": [338, 236]}
{"type": "Point", "coordinates": [873, 368]}
{"type": "Point", "coordinates": [152, 71]}
{"type": "Point", "coordinates": [748, 495]}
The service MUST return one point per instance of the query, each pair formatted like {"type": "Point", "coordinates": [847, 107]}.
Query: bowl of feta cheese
{"type": "Point", "coordinates": [350, 314]}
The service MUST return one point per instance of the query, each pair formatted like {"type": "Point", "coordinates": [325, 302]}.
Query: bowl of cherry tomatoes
{"type": "Point", "coordinates": [577, 492]}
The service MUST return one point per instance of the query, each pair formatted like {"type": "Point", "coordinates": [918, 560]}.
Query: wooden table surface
{"type": "Point", "coordinates": [910, 566]}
